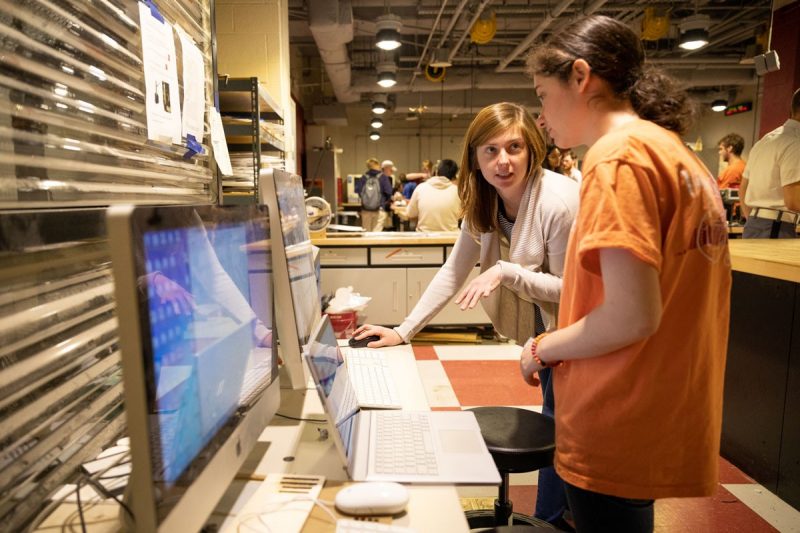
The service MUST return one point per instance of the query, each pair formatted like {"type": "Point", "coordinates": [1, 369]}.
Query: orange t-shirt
{"type": "Point", "coordinates": [644, 421]}
{"type": "Point", "coordinates": [731, 177]}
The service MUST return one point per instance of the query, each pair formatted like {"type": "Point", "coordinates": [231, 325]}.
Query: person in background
{"type": "Point", "coordinates": [415, 178]}
{"type": "Point", "coordinates": [730, 150]}
{"type": "Point", "coordinates": [387, 189]}
{"type": "Point", "coordinates": [569, 166]}
{"type": "Point", "coordinates": [639, 357]}
{"type": "Point", "coordinates": [435, 203]}
{"type": "Point", "coordinates": [517, 219]}
{"type": "Point", "coordinates": [369, 215]}
{"type": "Point", "coordinates": [770, 190]}
{"type": "Point", "coordinates": [553, 159]}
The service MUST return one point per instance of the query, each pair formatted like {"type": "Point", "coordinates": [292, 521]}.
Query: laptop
{"type": "Point", "coordinates": [364, 382]}
{"type": "Point", "coordinates": [395, 445]}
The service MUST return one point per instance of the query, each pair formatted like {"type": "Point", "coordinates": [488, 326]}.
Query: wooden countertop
{"type": "Point", "coordinates": [774, 258]}
{"type": "Point", "coordinates": [389, 238]}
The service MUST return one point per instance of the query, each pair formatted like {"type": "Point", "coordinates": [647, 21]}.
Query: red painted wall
{"type": "Point", "coordinates": [780, 85]}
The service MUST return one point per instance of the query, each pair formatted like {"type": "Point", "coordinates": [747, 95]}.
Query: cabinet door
{"type": "Point", "coordinates": [418, 280]}
{"type": "Point", "coordinates": [386, 287]}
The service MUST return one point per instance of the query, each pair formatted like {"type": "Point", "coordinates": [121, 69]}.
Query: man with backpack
{"type": "Point", "coordinates": [375, 191]}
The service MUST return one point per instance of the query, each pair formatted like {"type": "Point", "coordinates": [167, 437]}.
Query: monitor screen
{"type": "Point", "coordinates": [295, 271]}
{"type": "Point", "coordinates": [204, 347]}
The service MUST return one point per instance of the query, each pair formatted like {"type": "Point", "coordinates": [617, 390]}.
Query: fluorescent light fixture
{"type": "Point", "coordinates": [718, 105]}
{"type": "Point", "coordinates": [376, 123]}
{"type": "Point", "coordinates": [694, 32]}
{"type": "Point", "coordinates": [388, 36]}
{"type": "Point", "coordinates": [374, 135]}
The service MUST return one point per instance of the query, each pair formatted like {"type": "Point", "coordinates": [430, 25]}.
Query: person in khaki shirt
{"type": "Point", "coordinates": [435, 202]}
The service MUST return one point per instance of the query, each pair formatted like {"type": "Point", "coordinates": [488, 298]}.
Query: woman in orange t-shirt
{"type": "Point", "coordinates": [644, 311]}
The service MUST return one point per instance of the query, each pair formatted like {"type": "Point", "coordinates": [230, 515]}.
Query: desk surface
{"type": "Point", "coordinates": [775, 258]}
{"type": "Point", "coordinates": [390, 238]}
{"type": "Point", "coordinates": [293, 447]}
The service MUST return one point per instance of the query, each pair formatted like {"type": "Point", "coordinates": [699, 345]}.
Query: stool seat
{"type": "Point", "coordinates": [519, 440]}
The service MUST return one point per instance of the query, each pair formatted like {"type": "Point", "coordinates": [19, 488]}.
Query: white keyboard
{"type": "Point", "coordinates": [346, 525]}
{"type": "Point", "coordinates": [399, 450]}
{"type": "Point", "coordinates": [372, 380]}
{"type": "Point", "coordinates": [254, 382]}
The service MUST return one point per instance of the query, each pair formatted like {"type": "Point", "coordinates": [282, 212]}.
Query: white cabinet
{"type": "Point", "coordinates": [395, 278]}
{"type": "Point", "coordinates": [418, 280]}
{"type": "Point", "coordinates": [386, 287]}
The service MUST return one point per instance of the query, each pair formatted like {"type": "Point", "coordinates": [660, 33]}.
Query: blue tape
{"type": "Point", "coordinates": [194, 147]}
{"type": "Point", "coordinates": [154, 10]}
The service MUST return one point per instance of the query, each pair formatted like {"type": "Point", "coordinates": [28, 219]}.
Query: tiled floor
{"type": "Point", "coordinates": [467, 376]}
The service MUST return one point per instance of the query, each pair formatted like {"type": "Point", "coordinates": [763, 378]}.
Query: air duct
{"type": "Point", "coordinates": [331, 24]}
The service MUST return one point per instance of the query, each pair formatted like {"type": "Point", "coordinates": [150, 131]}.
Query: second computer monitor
{"type": "Point", "coordinates": [297, 296]}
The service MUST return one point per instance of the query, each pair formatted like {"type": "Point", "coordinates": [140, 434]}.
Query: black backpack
{"type": "Point", "coordinates": [371, 193]}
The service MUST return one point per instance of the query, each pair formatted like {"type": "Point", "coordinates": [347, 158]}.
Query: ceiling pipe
{"type": "Point", "coordinates": [527, 41]}
{"type": "Point", "coordinates": [427, 44]}
{"type": "Point", "coordinates": [467, 29]}
{"type": "Point", "coordinates": [331, 24]}
{"type": "Point", "coordinates": [452, 23]}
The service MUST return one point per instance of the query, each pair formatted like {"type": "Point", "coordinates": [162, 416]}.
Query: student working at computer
{"type": "Point", "coordinates": [517, 219]}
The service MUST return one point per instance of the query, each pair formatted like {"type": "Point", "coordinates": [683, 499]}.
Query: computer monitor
{"type": "Point", "coordinates": [296, 292]}
{"type": "Point", "coordinates": [194, 304]}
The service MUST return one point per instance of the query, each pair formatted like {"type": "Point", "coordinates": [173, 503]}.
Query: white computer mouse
{"type": "Point", "coordinates": [372, 498]}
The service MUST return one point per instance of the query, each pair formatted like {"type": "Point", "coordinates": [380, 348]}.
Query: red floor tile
{"type": "Point", "coordinates": [729, 474]}
{"type": "Point", "coordinates": [523, 497]}
{"type": "Point", "coordinates": [424, 352]}
{"type": "Point", "coordinates": [490, 383]}
{"type": "Point", "coordinates": [722, 512]}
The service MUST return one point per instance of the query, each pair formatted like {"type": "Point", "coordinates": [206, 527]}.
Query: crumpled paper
{"type": "Point", "coordinates": [345, 300]}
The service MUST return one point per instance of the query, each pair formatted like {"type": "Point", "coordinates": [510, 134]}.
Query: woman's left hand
{"type": "Point", "coordinates": [478, 288]}
{"type": "Point", "coordinates": [528, 365]}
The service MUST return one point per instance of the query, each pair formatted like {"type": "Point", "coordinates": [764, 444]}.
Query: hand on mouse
{"type": "Point", "coordinates": [388, 336]}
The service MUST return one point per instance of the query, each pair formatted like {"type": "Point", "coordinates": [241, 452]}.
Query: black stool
{"type": "Point", "coordinates": [519, 441]}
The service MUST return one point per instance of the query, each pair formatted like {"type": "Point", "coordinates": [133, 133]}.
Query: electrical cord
{"type": "Point", "coordinates": [80, 505]}
{"type": "Point", "coordinates": [312, 420]}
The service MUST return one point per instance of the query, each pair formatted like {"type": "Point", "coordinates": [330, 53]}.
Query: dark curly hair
{"type": "Point", "coordinates": [615, 54]}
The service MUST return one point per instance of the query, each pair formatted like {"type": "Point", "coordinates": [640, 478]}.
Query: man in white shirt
{"type": "Point", "coordinates": [435, 202]}
{"type": "Point", "coordinates": [770, 187]}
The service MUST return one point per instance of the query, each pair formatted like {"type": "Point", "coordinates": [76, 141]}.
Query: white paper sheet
{"type": "Point", "coordinates": [163, 106]}
{"type": "Point", "coordinates": [219, 143]}
{"type": "Point", "coordinates": [194, 76]}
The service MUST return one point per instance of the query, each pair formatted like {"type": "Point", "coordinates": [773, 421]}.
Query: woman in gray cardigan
{"type": "Point", "coordinates": [517, 220]}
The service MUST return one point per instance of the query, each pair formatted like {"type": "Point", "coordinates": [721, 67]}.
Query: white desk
{"type": "Point", "coordinates": [430, 509]}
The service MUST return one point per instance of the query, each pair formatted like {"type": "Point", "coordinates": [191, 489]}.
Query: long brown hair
{"type": "Point", "coordinates": [615, 54]}
{"type": "Point", "coordinates": [478, 197]}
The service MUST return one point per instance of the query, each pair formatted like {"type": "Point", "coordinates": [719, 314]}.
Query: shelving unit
{"type": "Point", "coordinates": [253, 125]}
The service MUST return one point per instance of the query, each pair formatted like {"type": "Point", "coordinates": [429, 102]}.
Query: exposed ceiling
{"type": "Point", "coordinates": [335, 57]}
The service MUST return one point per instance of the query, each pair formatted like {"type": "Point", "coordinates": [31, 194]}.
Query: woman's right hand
{"type": "Point", "coordinates": [388, 336]}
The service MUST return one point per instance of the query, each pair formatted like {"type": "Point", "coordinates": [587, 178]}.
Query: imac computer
{"type": "Point", "coordinates": [194, 303]}
{"type": "Point", "coordinates": [296, 293]}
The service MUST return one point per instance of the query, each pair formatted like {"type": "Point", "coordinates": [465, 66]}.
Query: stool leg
{"type": "Point", "coordinates": [502, 505]}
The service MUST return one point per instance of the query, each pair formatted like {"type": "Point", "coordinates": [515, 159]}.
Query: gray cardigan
{"type": "Point", "coordinates": [531, 265]}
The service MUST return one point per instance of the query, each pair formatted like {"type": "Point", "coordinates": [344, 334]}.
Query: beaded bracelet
{"type": "Point", "coordinates": [536, 357]}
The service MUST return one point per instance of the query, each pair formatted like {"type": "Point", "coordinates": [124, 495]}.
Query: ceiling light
{"type": "Point", "coordinates": [387, 79]}
{"type": "Point", "coordinates": [387, 74]}
{"type": "Point", "coordinates": [440, 58]}
{"type": "Point", "coordinates": [719, 105]}
{"type": "Point", "coordinates": [379, 104]}
{"type": "Point", "coordinates": [388, 36]}
{"type": "Point", "coordinates": [376, 123]}
{"type": "Point", "coordinates": [694, 32]}
{"type": "Point", "coordinates": [374, 135]}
